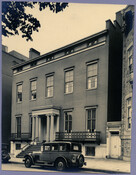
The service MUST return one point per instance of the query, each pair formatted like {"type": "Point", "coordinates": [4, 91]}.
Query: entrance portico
{"type": "Point", "coordinates": [45, 122]}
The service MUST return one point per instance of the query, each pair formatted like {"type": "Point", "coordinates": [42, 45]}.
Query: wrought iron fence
{"type": "Point", "coordinates": [78, 136]}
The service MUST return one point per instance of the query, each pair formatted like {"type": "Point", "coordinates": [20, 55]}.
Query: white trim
{"type": "Point", "coordinates": [131, 44]}
{"type": "Point", "coordinates": [45, 112]}
{"type": "Point", "coordinates": [128, 96]}
{"type": "Point", "coordinates": [100, 44]}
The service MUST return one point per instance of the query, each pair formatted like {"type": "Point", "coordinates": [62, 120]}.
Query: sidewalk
{"type": "Point", "coordinates": [106, 165]}
{"type": "Point", "coordinates": [113, 165]}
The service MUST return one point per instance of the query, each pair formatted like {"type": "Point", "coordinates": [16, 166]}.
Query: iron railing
{"type": "Point", "coordinates": [22, 136]}
{"type": "Point", "coordinates": [78, 136]}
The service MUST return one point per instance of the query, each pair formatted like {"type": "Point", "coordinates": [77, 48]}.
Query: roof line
{"type": "Point", "coordinates": [62, 48]}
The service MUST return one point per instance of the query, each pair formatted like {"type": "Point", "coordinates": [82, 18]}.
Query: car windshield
{"type": "Point", "coordinates": [75, 147]}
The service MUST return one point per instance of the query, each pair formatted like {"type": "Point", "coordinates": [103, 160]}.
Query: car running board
{"type": "Point", "coordinates": [43, 163]}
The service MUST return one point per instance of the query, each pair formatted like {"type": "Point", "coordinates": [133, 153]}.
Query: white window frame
{"type": "Point", "coordinates": [68, 111]}
{"type": "Point", "coordinates": [17, 92]}
{"type": "Point", "coordinates": [18, 117]}
{"type": "Point", "coordinates": [129, 118]}
{"type": "Point", "coordinates": [87, 109]}
{"type": "Point", "coordinates": [92, 79]}
{"type": "Point", "coordinates": [33, 90]}
{"type": "Point", "coordinates": [68, 89]}
{"type": "Point", "coordinates": [49, 86]}
{"type": "Point", "coordinates": [130, 57]}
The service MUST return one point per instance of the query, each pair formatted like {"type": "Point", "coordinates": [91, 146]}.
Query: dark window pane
{"type": "Point", "coordinates": [90, 151]}
{"type": "Point", "coordinates": [70, 125]}
{"type": "Point", "coordinates": [89, 124]}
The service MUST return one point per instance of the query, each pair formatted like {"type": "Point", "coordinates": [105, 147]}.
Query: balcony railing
{"type": "Point", "coordinates": [78, 136]}
{"type": "Point", "coordinates": [22, 136]}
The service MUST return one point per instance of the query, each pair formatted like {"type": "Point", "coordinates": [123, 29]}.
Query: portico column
{"type": "Point", "coordinates": [33, 128]}
{"type": "Point", "coordinates": [52, 128]}
{"type": "Point", "coordinates": [37, 128]}
{"type": "Point", "coordinates": [57, 128]}
{"type": "Point", "coordinates": [47, 126]}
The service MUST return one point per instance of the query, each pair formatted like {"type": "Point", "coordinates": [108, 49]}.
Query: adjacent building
{"type": "Point", "coordinates": [70, 94]}
{"type": "Point", "coordinates": [8, 60]}
{"type": "Point", "coordinates": [127, 24]}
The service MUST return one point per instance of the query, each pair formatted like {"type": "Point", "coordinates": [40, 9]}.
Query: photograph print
{"type": "Point", "coordinates": [67, 87]}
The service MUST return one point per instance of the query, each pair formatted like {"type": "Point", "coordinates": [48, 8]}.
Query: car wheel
{"type": "Point", "coordinates": [81, 161]}
{"type": "Point", "coordinates": [60, 164]}
{"type": "Point", "coordinates": [28, 162]}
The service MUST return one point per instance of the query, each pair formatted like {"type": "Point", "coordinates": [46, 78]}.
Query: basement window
{"type": "Point", "coordinates": [89, 151]}
{"type": "Point", "coordinates": [18, 146]}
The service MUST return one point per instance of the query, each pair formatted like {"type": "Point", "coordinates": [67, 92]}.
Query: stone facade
{"type": "Point", "coordinates": [127, 79]}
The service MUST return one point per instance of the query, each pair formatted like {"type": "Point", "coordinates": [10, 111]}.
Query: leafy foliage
{"type": "Point", "coordinates": [15, 19]}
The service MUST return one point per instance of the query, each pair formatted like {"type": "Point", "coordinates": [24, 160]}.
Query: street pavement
{"type": "Point", "coordinates": [93, 165]}
{"type": "Point", "coordinates": [107, 165]}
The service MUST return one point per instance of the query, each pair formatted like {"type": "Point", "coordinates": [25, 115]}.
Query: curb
{"type": "Point", "coordinates": [105, 171]}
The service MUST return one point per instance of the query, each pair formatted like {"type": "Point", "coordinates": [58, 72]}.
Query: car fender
{"type": "Point", "coordinates": [62, 157]}
{"type": "Point", "coordinates": [30, 156]}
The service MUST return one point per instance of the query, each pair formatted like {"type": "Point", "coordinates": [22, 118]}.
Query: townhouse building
{"type": "Point", "coordinates": [8, 60]}
{"type": "Point", "coordinates": [70, 93]}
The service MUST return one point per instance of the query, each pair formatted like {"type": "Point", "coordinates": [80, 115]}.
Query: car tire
{"type": "Point", "coordinates": [81, 161]}
{"type": "Point", "coordinates": [60, 164]}
{"type": "Point", "coordinates": [28, 162]}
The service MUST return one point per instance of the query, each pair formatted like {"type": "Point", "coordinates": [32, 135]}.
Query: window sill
{"type": "Point", "coordinates": [91, 89]}
{"type": "Point", "coordinates": [129, 129]}
{"type": "Point", "coordinates": [32, 100]}
{"type": "Point", "coordinates": [68, 93]}
{"type": "Point", "coordinates": [19, 102]}
{"type": "Point", "coordinates": [48, 97]}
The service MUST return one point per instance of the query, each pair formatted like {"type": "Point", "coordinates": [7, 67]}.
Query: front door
{"type": "Point", "coordinates": [115, 145]}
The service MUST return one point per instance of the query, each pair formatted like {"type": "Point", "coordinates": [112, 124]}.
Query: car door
{"type": "Point", "coordinates": [54, 153]}
{"type": "Point", "coordinates": [45, 156]}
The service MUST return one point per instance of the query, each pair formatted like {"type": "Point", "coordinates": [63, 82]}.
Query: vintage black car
{"type": "Point", "coordinates": [5, 154]}
{"type": "Point", "coordinates": [58, 154]}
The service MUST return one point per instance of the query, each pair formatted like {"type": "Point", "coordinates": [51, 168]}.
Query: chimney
{"type": "Point", "coordinates": [33, 53]}
{"type": "Point", "coordinates": [4, 48]}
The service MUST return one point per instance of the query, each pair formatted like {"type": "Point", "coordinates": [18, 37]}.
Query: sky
{"type": "Point", "coordinates": [74, 23]}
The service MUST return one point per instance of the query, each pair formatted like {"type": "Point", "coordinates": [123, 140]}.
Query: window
{"type": "Point", "coordinates": [47, 147]}
{"type": "Point", "coordinates": [19, 92]}
{"type": "Point", "coordinates": [129, 111]}
{"type": "Point", "coordinates": [55, 147]}
{"type": "Point", "coordinates": [130, 58]}
{"type": "Point", "coordinates": [91, 119]}
{"type": "Point", "coordinates": [18, 124]}
{"type": "Point", "coordinates": [49, 86]}
{"type": "Point", "coordinates": [68, 81]}
{"type": "Point", "coordinates": [62, 147]}
{"type": "Point", "coordinates": [34, 63]}
{"type": "Point", "coordinates": [92, 76]}
{"type": "Point", "coordinates": [33, 89]}
{"type": "Point", "coordinates": [68, 121]}
{"type": "Point", "coordinates": [89, 151]}
{"type": "Point", "coordinates": [19, 69]}
{"type": "Point", "coordinates": [18, 146]}
{"type": "Point", "coordinates": [69, 51]}
{"type": "Point", "coordinates": [75, 147]}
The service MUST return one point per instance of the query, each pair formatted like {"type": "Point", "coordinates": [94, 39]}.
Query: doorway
{"type": "Point", "coordinates": [115, 145]}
